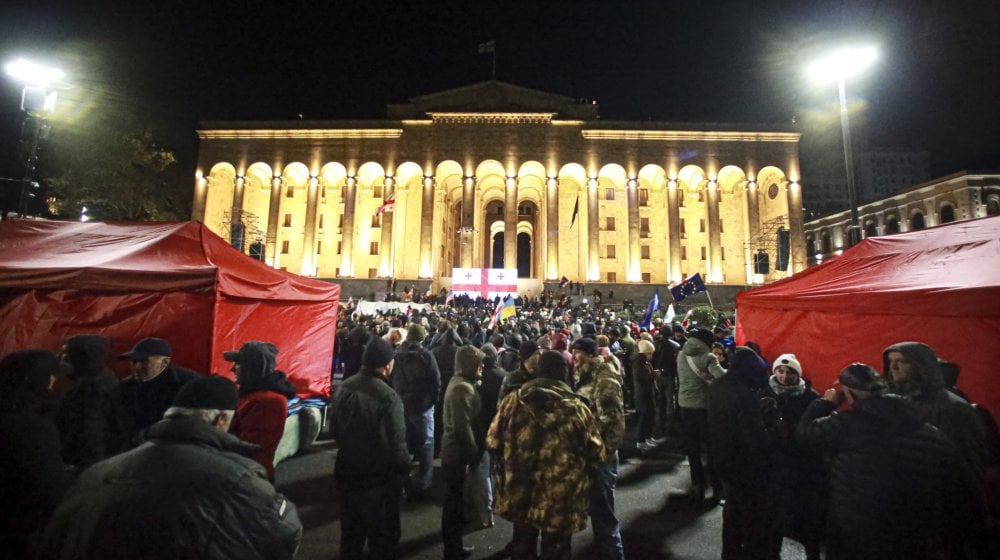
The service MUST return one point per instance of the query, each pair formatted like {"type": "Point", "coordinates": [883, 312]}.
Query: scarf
{"type": "Point", "coordinates": [780, 389]}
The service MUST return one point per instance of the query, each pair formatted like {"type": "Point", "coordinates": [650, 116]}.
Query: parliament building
{"type": "Point", "coordinates": [493, 175]}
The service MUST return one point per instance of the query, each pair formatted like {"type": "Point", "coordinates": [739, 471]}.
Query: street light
{"type": "Point", "coordinates": [37, 102]}
{"type": "Point", "coordinates": [838, 66]}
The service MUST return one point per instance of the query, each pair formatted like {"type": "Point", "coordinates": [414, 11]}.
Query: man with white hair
{"type": "Point", "coordinates": [190, 491]}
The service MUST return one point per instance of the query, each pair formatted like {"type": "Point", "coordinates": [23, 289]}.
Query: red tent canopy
{"type": "Point", "coordinates": [939, 286]}
{"type": "Point", "coordinates": [173, 280]}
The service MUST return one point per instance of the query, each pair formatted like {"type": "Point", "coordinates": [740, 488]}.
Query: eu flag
{"type": "Point", "coordinates": [689, 287]}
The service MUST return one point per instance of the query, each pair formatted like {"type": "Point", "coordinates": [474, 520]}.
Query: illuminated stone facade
{"type": "Point", "coordinates": [591, 200]}
{"type": "Point", "coordinates": [956, 197]}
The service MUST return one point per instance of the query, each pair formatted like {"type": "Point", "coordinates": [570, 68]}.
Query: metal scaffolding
{"type": "Point", "coordinates": [766, 241]}
{"type": "Point", "coordinates": [242, 230]}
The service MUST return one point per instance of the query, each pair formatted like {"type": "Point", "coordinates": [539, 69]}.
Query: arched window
{"type": "Point", "coordinates": [947, 214]}
{"type": "Point", "coordinates": [871, 230]}
{"type": "Point", "coordinates": [993, 206]}
{"type": "Point", "coordinates": [917, 221]}
{"type": "Point", "coordinates": [827, 248]}
{"type": "Point", "coordinates": [891, 225]}
{"type": "Point", "coordinates": [810, 245]}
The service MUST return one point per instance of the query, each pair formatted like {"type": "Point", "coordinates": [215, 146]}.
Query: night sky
{"type": "Point", "coordinates": [175, 63]}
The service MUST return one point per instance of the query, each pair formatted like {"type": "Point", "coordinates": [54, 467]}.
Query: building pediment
{"type": "Point", "coordinates": [493, 97]}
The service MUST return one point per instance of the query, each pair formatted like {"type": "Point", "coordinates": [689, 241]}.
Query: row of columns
{"type": "Point", "coordinates": [588, 200]}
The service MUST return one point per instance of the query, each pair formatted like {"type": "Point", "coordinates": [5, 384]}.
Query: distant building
{"type": "Point", "coordinates": [879, 173]}
{"type": "Point", "coordinates": [956, 197]}
{"type": "Point", "coordinates": [494, 175]}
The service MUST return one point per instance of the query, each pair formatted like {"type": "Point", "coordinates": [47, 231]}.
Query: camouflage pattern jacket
{"type": "Point", "coordinates": [545, 444]}
{"type": "Point", "coordinates": [602, 388]}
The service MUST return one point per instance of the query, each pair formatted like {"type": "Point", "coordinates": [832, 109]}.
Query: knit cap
{"type": "Point", "coordinates": [377, 354]}
{"type": "Point", "coordinates": [787, 360]}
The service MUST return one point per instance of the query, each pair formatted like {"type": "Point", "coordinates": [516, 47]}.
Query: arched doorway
{"type": "Point", "coordinates": [891, 225]}
{"type": "Point", "coordinates": [917, 221]}
{"type": "Point", "coordinates": [947, 214]}
{"type": "Point", "coordinates": [496, 250]}
{"type": "Point", "coordinates": [524, 255]}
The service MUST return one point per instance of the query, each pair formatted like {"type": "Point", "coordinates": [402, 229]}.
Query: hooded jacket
{"type": "Point", "coordinates": [602, 390]}
{"type": "Point", "coordinates": [416, 377]}
{"type": "Point", "coordinates": [444, 349]}
{"type": "Point", "coordinates": [86, 416]}
{"type": "Point", "coordinates": [938, 406]}
{"type": "Point", "coordinates": [263, 405]}
{"type": "Point", "coordinates": [735, 421]}
{"type": "Point", "coordinates": [188, 492]}
{"type": "Point", "coordinates": [462, 406]}
{"type": "Point", "coordinates": [697, 368]}
{"type": "Point", "coordinates": [545, 443]}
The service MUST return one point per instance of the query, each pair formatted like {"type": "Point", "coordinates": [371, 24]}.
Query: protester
{"type": "Point", "coordinates": [489, 392]}
{"type": "Point", "coordinates": [86, 416]}
{"type": "Point", "coordinates": [459, 452]}
{"type": "Point", "coordinates": [444, 348]}
{"type": "Point", "coordinates": [697, 368]}
{"type": "Point", "coordinates": [33, 477]}
{"type": "Point", "coordinates": [188, 492]}
{"type": "Point", "coordinates": [372, 460]}
{"type": "Point", "coordinates": [643, 389]}
{"type": "Point", "coordinates": [899, 487]}
{"type": "Point", "coordinates": [417, 381]}
{"type": "Point", "coordinates": [264, 394]}
{"type": "Point", "coordinates": [142, 399]}
{"type": "Point", "coordinates": [530, 354]}
{"type": "Point", "coordinates": [543, 488]}
{"type": "Point", "coordinates": [668, 344]}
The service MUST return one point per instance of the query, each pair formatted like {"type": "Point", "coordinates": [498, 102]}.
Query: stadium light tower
{"type": "Point", "coordinates": [837, 67]}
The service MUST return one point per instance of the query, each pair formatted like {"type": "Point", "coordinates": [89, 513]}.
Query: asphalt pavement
{"type": "Point", "coordinates": [658, 520]}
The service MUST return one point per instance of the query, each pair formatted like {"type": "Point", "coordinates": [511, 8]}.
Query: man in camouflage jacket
{"type": "Point", "coordinates": [547, 445]}
{"type": "Point", "coordinates": [603, 390]}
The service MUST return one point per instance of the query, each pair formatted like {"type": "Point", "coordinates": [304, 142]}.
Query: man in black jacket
{"type": "Point", "coordinates": [141, 400]}
{"type": "Point", "coordinates": [372, 460]}
{"type": "Point", "coordinates": [188, 492]}
{"type": "Point", "coordinates": [416, 379]}
{"type": "Point", "coordinates": [898, 486]}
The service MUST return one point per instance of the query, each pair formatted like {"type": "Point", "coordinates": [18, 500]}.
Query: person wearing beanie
{"type": "Point", "coordinates": [742, 457]}
{"type": "Point", "coordinates": [529, 354]}
{"type": "Point", "coordinates": [459, 451]}
{"type": "Point", "coordinates": [799, 498]}
{"type": "Point", "coordinates": [264, 394]}
{"type": "Point", "coordinates": [417, 381]}
{"type": "Point", "coordinates": [373, 462]}
{"type": "Point", "coordinates": [899, 488]}
{"type": "Point", "coordinates": [602, 389]}
{"type": "Point", "coordinates": [547, 498]}
{"type": "Point", "coordinates": [697, 368]}
{"type": "Point", "coordinates": [142, 399]}
{"type": "Point", "coordinates": [643, 380]}
{"type": "Point", "coordinates": [189, 491]}
{"type": "Point", "coordinates": [86, 417]}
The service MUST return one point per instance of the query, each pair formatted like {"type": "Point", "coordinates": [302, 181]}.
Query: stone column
{"type": "Point", "coordinates": [714, 264]}
{"type": "Point", "coordinates": [633, 272]}
{"type": "Point", "coordinates": [427, 228]}
{"type": "Point", "coordinates": [468, 221]}
{"type": "Point", "coordinates": [593, 232]}
{"type": "Point", "coordinates": [347, 235]}
{"type": "Point", "coordinates": [510, 223]}
{"type": "Point", "coordinates": [200, 199]}
{"type": "Point", "coordinates": [796, 226]}
{"type": "Point", "coordinates": [552, 228]}
{"type": "Point", "coordinates": [309, 237]}
{"type": "Point", "coordinates": [273, 215]}
{"type": "Point", "coordinates": [386, 248]}
{"type": "Point", "coordinates": [673, 231]}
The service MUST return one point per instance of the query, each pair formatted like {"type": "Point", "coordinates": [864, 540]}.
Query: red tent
{"type": "Point", "coordinates": [939, 286]}
{"type": "Point", "coordinates": [174, 280]}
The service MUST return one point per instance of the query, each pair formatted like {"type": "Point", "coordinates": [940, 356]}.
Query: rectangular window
{"type": "Point", "coordinates": [319, 247]}
{"type": "Point", "coordinates": [701, 225]}
{"type": "Point", "coordinates": [336, 272]}
{"type": "Point", "coordinates": [683, 226]}
{"type": "Point", "coordinates": [684, 253]}
{"type": "Point", "coordinates": [643, 197]}
{"type": "Point", "coordinates": [645, 251]}
{"type": "Point", "coordinates": [372, 273]}
{"type": "Point", "coordinates": [609, 193]}
{"type": "Point", "coordinates": [680, 199]}
{"type": "Point", "coordinates": [284, 247]}
{"type": "Point", "coordinates": [612, 277]}
{"type": "Point", "coordinates": [611, 251]}
{"type": "Point", "coordinates": [288, 220]}
{"type": "Point", "coordinates": [701, 196]}
{"type": "Point", "coordinates": [722, 253]}
{"type": "Point", "coordinates": [609, 224]}
{"type": "Point", "coordinates": [322, 192]}
{"type": "Point", "coordinates": [340, 221]}
{"type": "Point", "coordinates": [290, 192]}
{"type": "Point", "coordinates": [704, 254]}
{"type": "Point", "coordinates": [377, 191]}
{"type": "Point", "coordinates": [643, 227]}
{"type": "Point", "coordinates": [374, 250]}
{"type": "Point", "coordinates": [377, 220]}
{"type": "Point", "coordinates": [721, 229]}
{"type": "Point", "coordinates": [646, 278]}
{"type": "Point", "coordinates": [321, 221]}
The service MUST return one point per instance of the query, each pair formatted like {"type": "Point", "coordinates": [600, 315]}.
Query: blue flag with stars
{"type": "Point", "coordinates": [689, 287]}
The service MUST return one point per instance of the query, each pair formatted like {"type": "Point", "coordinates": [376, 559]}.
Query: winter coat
{"type": "Point", "coordinates": [444, 353]}
{"type": "Point", "coordinates": [642, 376]}
{"type": "Point", "coordinates": [352, 352]}
{"type": "Point", "coordinates": [545, 443]}
{"type": "Point", "coordinates": [938, 406]}
{"type": "Point", "coordinates": [368, 424]}
{"type": "Point", "coordinates": [513, 381]}
{"type": "Point", "coordinates": [260, 419]}
{"type": "Point", "coordinates": [462, 406]}
{"type": "Point", "coordinates": [188, 492]}
{"type": "Point", "coordinates": [896, 484]}
{"type": "Point", "coordinates": [602, 388]}
{"type": "Point", "coordinates": [489, 393]}
{"type": "Point", "coordinates": [86, 417]}
{"type": "Point", "coordinates": [416, 377]}
{"type": "Point", "coordinates": [736, 424]}
{"type": "Point", "coordinates": [692, 383]}
{"type": "Point", "coordinates": [140, 404]}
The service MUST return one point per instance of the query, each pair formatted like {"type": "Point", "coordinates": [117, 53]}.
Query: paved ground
{"type": "Point", "coordinates": [658, 521]}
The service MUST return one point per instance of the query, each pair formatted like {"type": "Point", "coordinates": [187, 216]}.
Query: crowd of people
{"type": "Point", "coordinates": [527, 418]}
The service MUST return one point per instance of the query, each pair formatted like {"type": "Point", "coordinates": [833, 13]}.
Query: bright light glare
{"type": "Point", "coordinates": [32, 74]}
{"type": "Point", "coordinates": [842, 63]}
